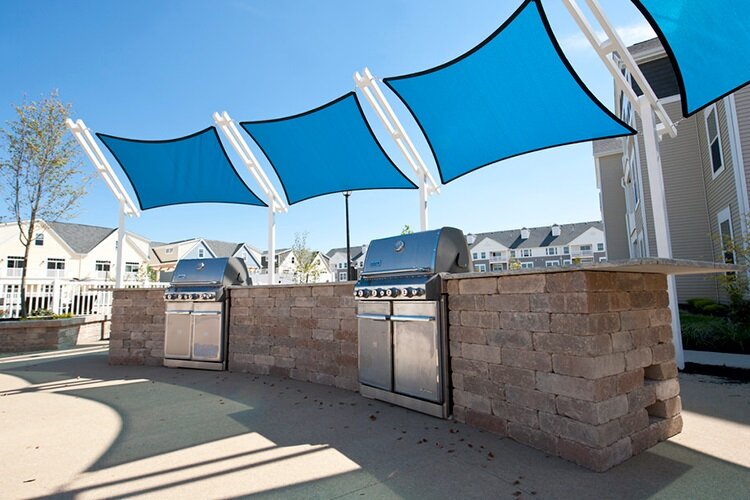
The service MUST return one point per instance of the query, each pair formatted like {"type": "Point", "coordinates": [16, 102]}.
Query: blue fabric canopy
{"type": "Point", "coordinates": [326, 150]}
{"type": "Point", "coordinates": [708, 42]}
{"type": "Point", "coordinates": [190, 169]}
{"type": "Point", "coordinates": [512, 94]}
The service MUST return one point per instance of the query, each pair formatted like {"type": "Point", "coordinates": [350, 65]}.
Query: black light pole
{"type": "Point", "coordinates": [347, 194]}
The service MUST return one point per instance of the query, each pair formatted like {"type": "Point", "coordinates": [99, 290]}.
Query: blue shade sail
{"type": "Point", "coordinates": [708, 42]}
{"type": "Point", "coordinates": [512, 94]}
{"type": "Point", "coordinates": [326, 150]}
{"type": "Point", "coordinates": [191, 169]}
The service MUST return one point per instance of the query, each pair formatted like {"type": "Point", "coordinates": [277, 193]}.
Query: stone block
{"type": "Point", "coordinates": [641, 398]}
{"type": "Point", "coordinates": [518, 377]}
{"type": "Point", "coordinates": [530, 398]}
{"type": "Point", "coordinates": [589, 367]}
{"type": "Point", "coordinates": [523, 283]}
{"type": "Point", "coordinates": [514, 413]}
{"type": "Point", "coordinates": [590, 412]}
{"type": "Point", "coordinates": [664, 389]}
{"type": "Point", "coordinates": [531, 321]}
{"type": "Point", "coordinates": [547, 302]}
{"type": "Point", "coordinates": [638, 358]}
{"type": "Point", "coordinates": [468, 334]}
{"type": "Point", "coordinates": [470, 367]}
{"type": "Point", "coordinates": [635, 422]}
{"type": "Point", "coordinates": [522, 358]}
{"type": "Point", "coordinates": [666, 409]}
{"type": "Point", "coordinates": [480, 319]}
{"type": "Point", "coordinates": [466, 303]}
{"type": "Point", "coordinates": [660, 317]}
{"type": "Point", "coordinates": [596, 436]}
{"type": "Point", "coordinates": [536, 438]}
{"type": "Point", "coordinates": [509, 338]}
{"type": "Point", "coordinates": [477, 286]}
{"type": "Point", "coordinates": [634, 320]}
{"type": "Point", "coordinates": [507, 302]}
{"type": "Point", "coordinates": [576, 387]}
{"type": "Point", "coordinates": [490, 354]}
{"type": "Point", "coordinates": [630, 381]}
{"type": "Point", "coordinates": [487, 422]}
{"type": "Point", "coordinates": [322, 291]}
{"type": "Point", "coordinates": [585, 324]}
{"type": "Point", "coordinates": [598, 460]}
{"type": "Point", "coordinates": [661, 371]}
{"type": "Point", "coordinates": [475, 402]}
{"type": "Point", "coordinates": [593, 345]}
{"type": "Point", "coordinates": [573, 281]}
{"type": "Point", "coordinates": [663, 353]}
{"type": "Point", "coordinates": [622, 341]}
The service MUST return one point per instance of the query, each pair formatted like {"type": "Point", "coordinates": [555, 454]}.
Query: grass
{"type": "Point", "coordinates": [714, 333]}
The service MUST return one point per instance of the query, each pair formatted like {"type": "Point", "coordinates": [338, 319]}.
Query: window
{"type": "Point", "coordinates": [201, 253]}
{"type": "Point", "coordinates": [600, 247]}
{"type": "Point", "coordinates": [726, 236]}
{"type": "Point", "coordinates": [169, 250]}
{"type": "Point", "coordinates": [102, 268]}
{"type": "Point", "coordinates": [55, 268]}
{"type": "Point", "coordinates": [566, 250]}
{"type": "Point", "coordinates": [39, 240]}
{"type": "Point", "coordinates": [602, 259]}
{"type": "Point", "coordinates": [552, 263]}
{"type": "Point", "coordinates": [527, 265]}
{"type": "Point", "coordinates": [484, 255]}
{"type": "Point", "coordinates": [551, 250]}
{"type": "Point", "coordinates": [132, 267]}
{"type": "Point", "coordinates": [714, 140]}
{"type": "Point", "coordinates": [474, 256]}
{"type": "Point", "coordinates": [566, 262]}
{"type": "Point", "coordinates": [526, 252]}
{"type": "Point", "coordinates": [585, 249]}
{"type": "Point", "coordinates": [15, 267]}
{"type": "Point", "coordinates": [512, 253]}
{"type": "Point", "coordinates": [480, 268]}
{"type": "Point", "coordinates": [342, 276]}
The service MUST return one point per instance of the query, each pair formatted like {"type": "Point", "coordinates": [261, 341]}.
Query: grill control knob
{"type": "Point", "coordinates": [195, 296]}
{"type": "Point", "coordinates": [393, 292]}
{"type": "Point", "coordinates": [364, 293]}
{"type": "Point", "coordinates": [185, 296]}
{"type": "Point", "coordinates": [419, 292]}
{"type": "Point", "coordinates": [379, 292]}
{"type": "Point", "coordinates": [407, 292]}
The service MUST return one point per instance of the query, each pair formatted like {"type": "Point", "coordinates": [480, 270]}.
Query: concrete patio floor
{"type": "Point", "coordinates": [74, 427]}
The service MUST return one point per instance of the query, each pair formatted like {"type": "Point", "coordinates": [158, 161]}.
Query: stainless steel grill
{"type": "Point", "coordinates": [196, 307]}
{"type": "Point", "coordinates": [402, 315]}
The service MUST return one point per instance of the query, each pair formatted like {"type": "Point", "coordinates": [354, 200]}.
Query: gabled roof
{"type": "Point", "coordinates": [539, 236]}
{"type": "Point", "coordinates": [223, 248]}
{"type": "Point", "coordinates": [80, 238]}
{"type": "Point", "coordinates": [356, 250]}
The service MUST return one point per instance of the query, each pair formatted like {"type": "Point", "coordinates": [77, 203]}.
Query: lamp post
{"type": "Point", "coordinates": [347, 194]}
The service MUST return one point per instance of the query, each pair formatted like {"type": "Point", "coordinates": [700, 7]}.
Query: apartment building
{"type": "Point", "coordinates": [704, 172]}
{"type": "Point", "coordinates": [287, 270]}
{"type": "Point", "coordinates": [66, 252]}
{"type": "Point", "coordinates": [546, 246]}
{"type": "Point", "coordinates": [164, 256]}
{"type": "Point", "coordinates": [337, 261]}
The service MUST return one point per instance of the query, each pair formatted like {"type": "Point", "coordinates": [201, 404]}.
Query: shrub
{"type": "Point", "coordinates": [712, 333]}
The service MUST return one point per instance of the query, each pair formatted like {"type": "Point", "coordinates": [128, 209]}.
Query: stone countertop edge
{"type": "Point", "coordinates": [675, 267]}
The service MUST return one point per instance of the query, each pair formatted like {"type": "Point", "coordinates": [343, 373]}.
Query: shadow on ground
{"type": "Point", "coordinates": [381, 450]}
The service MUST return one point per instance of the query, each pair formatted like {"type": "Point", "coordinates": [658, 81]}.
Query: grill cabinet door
{"type": "Point", "coordinates": [177, 341]}
{"type": "Point", "coordinates": [208, 340]}
{"type": "Point", "coordinates": [416, 360]}
{"type": "Point", "coordinates": [375, 344]}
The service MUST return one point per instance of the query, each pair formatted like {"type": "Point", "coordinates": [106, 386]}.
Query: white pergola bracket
{"type": "Point", "coordinates": [276, 204]}
{"type": "Point", "coordinates": [650, 109]}
{"type": "Point", "coordinates": [84, 137]}
{"type": "Point", "coordinates": [375, 97]}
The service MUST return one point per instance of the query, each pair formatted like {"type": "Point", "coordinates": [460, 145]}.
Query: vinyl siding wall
{"type": "Point", "coordinates": [612, 202]}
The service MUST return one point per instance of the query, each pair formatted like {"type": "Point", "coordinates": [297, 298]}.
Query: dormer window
{"type": "Point", "coordinates": [525, 233]}
{"type": "Point", "coordinates": [39, 240]}
{"type": "Point", "coordinates": [169, 250]}
{"type": "Point", "coordinates": [555, 230]}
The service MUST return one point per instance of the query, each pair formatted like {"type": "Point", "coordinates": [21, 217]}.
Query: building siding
{"type": "Point", "coordinates": [613, 207]}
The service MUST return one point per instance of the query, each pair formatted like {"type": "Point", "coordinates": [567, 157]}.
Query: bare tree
{"type": "Point", "coordinates": [40, 170]}
{"type": "Point", "coordinates": [306, 267]}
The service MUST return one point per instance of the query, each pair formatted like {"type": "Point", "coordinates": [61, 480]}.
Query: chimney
{"type": "Point", "coordinates": [471, 238]}
{"type": "Point", "coordinates": [555, 230]}
{"type": "Point", "coordinates": [525, 233]}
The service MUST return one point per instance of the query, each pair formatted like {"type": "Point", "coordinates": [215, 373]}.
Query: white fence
{"type": "Point", "coordinates": [88, 298]}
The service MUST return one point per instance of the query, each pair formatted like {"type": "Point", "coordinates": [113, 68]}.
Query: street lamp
{"type": "Point", "coordinates": [349, 277]}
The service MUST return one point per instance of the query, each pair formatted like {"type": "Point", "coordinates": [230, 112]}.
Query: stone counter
{"type": "Point", "coordinates": [577, 362]}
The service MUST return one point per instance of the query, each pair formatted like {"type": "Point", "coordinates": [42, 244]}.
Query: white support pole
{"type": "Point", "coordinates": [271, 244]}
{"type": "Point", "coordinates": [375, 97]}
{"type": "Point", "coordinates": [275, 202]}
{"type": "Point", "coordinates": [120, 247]}
{"type": "Point", "coordinates": [659, 208]}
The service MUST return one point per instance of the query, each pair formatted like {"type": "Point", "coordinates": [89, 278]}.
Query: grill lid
{"type": "Point", "coordinates": [426, 252]}
{"type": "Point", "coordinates": [223, 271]}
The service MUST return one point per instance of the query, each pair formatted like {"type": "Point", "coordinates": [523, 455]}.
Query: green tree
{"type": "Point", "coordinates": [407, 229]}
{"type": "Point", "coordinates": [306, 267]}
{"type": "Point", "coordinates": [40, 169]}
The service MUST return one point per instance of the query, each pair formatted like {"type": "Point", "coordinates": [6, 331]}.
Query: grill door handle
{"type": "Point", "coordinates": [376, 317]}
{"type": "Point", "coordinates": [399, 317]}
{"type": "Point", "coordinates": [179, 312]}
{"type": "Point", "coordinates": [206, 313]}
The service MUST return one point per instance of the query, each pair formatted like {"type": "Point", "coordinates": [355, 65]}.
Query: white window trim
{"type": "Point", "coordinates": [527, 265]}
{"type": "Point", "coordinates": [725, 216]}
{"type": "Point", "coordinates": [706, 114]}
{"type": "Point", "coordinates": [480, 268]}
{"type": "Point", "coordinates": [551, 263]}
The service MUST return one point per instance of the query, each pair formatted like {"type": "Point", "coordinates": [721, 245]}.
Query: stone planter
{"type": "Point", "coordinates": [39, 334]}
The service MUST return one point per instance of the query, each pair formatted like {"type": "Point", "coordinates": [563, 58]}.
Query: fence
{"type": "Point", "coordinates": [90, 298]}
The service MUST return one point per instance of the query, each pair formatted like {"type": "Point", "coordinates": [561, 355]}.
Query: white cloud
{"type": "Point", "coordinates": [630, 34]}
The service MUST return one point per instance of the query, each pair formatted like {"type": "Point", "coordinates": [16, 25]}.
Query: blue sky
{"type": "Point", "coordinates": [158, 69]}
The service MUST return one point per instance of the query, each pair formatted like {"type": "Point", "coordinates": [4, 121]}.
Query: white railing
{"type": "Point", "coordinates": [90, 298]}
{"type": "Point", "coordinates": [498, 258]}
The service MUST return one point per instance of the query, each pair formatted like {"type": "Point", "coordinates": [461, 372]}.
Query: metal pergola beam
{"type": "Point", "coordinates": [82, 134]}
{"type": "Point", "coordinates": [649, 109]}
{"type": "Point", "coordinates": [375, 97]}
{"type": "Point", "coordinates": [276, 203]}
